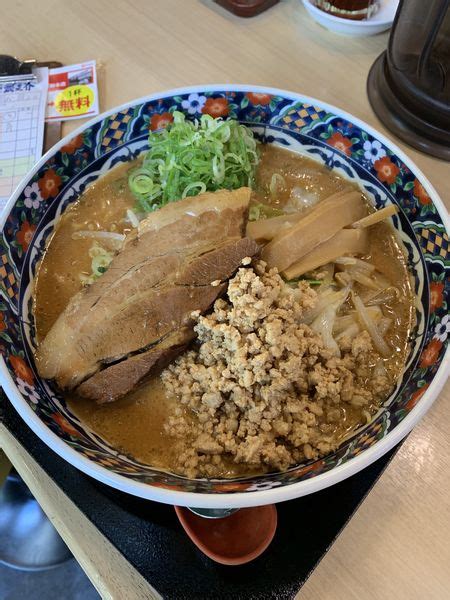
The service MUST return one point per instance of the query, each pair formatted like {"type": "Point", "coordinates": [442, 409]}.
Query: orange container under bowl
{"type": "Point", "coordinates": [233, 540]}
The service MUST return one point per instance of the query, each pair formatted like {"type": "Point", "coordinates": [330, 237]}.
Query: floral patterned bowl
{"type": "Point", "coordinates": [322, 132]}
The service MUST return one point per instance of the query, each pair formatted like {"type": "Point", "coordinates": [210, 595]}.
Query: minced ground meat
{"type": "Point", "coordinates": [259, 388]}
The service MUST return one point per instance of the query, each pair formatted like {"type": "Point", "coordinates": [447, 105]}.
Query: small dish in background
{"type": "Point", "coordinates": [380, 21]}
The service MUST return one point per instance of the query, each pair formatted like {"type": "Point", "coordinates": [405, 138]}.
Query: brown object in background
{"type": "Point", "coordinates": [409, 84]}
{"type": "Point", "coordinates": [247, 8]}
{"type": "Point", "coordinates": [357, 10]}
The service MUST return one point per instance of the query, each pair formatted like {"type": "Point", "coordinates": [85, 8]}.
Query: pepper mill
{"type": "Point", "coordinates": [409, 84]}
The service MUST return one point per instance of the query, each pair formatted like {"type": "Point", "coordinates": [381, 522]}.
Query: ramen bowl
{"type": "Point", "coordinates": [319, 131]}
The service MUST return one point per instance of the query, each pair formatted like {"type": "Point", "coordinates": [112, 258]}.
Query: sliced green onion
{"type": "Point", "coordinates": [197, 184]}
{"type": "Point", "coordinates": [101, 259]}
{"type": "Point", "coordinates": [263, 211]}
{"type": "Point", "coordinates": [193, 157]}
{"type": "Point", "coordinates": [140, 181]}
{"type": "Point", "coordinates": [294, 282]}
{"type": "Point", "coordinates": [276, 182]}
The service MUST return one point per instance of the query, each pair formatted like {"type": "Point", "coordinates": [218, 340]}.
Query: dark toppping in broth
{"type": "Point", "coordinates": [135, 423]}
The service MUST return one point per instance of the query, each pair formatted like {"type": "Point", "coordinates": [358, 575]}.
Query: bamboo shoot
{"type": "Point", "coordinates": [346, 241]}
{"type": "Point", "coordinates": [376, 217]}
{"type": "Point", "coordinates": [319, 225]}
{"type": "Point", "coordinates": [266, 229]}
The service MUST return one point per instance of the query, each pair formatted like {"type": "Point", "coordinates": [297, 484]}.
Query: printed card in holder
{"type": "Point", "coordinates": [23, 100]}
{"type": "Point", "coordinates": [72, 92]}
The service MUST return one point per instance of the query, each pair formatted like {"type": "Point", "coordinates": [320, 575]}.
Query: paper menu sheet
{"type": "Point", "coordinates": [22, 119]}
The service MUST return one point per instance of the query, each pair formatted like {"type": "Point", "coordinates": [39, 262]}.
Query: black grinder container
{"type": "Point", "coordinates": [409, 84]}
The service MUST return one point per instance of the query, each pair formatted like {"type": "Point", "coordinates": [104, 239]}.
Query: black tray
{"type": "Point", "coordinates": [150, 537]}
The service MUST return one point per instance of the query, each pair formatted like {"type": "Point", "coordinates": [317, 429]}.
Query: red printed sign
{"type": "Point", "coordinates": [72, 92]}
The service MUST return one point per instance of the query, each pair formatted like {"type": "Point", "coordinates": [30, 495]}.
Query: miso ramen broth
{"type": "Point", "coordinates": [135, 424]}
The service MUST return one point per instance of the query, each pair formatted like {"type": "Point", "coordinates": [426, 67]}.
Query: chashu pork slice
{"type": "Point", "coordinates": [164, 272]}
{"type": "Point", "coordinates": [116, 380]}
